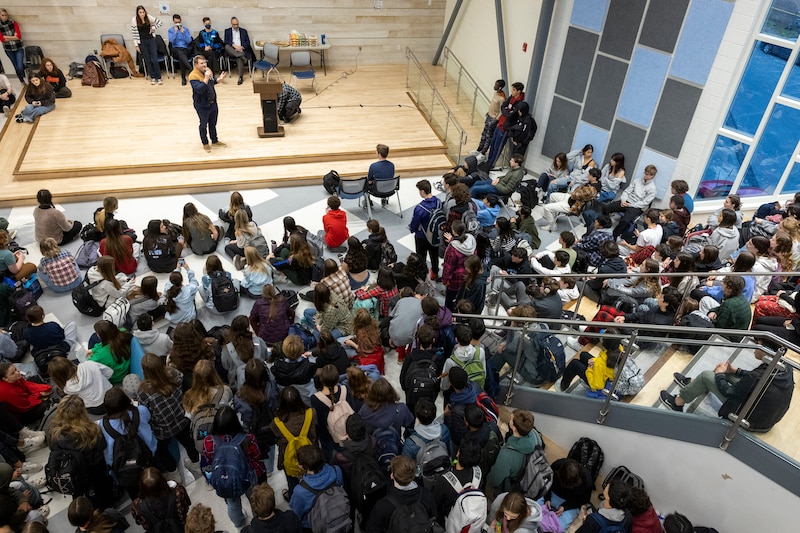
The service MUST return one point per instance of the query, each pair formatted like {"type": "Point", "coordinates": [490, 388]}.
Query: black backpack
{"type": "Point", "coordinates": [130, 454]}
{"type": "Point", "coordinates": [43, 357]}
{"type": "Point", "coordinates": [331, 181]}
{"type": "Point", "coordinates": [165, 524]}
{"type": "Point", "coordinates": [410, 517]}
{"type": "Point", "coordinates": [421, 381]}
{"type": "Point", "coordinates": [83, 300]}
{"type": "Point", "coordinates": [367, 482]}
{"type": "Point", "coordinates": [588, 453]}
{"type": "Point", "coordinates": [19, 301]}
{"type": "Point", "coordinates": [261, 428]}
{"type": "Point", "coordinates": [62, 471]}
{"type": "Point", "coordinates": [318, 269]}
{"type": "Point", "coordinates": [223, 293]}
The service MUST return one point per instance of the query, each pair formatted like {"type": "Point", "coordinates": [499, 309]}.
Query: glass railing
{"type": "Point", "coordinates": [736, 346]}
{"type": "Point", "coordinates": [433, 106]}
{"type": "Point", "coordinates": [466, 90]}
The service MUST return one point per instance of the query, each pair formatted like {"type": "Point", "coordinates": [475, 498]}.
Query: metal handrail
{"type": "Point", "coordinates": [462, 71]}
{"type": "Point", "coordinates": [776, 356]}
{"type": "Point", "coordinates": [436, 97]}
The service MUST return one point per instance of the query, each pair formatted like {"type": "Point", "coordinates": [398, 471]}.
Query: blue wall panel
{"type": "Point", "coordinates": [588, 134]}
{"type": "Point", "coordinates": [702, 33]}
{"type": "Point", "coordinates": [589, 14]}
{"type": "Point", "coordinates": [642, 88]}
{"type": "Point", "coordinates": [666, 170]}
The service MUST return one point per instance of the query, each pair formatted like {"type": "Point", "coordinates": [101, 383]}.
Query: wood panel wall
{"type": "Point", "coordinates": [67, 30]}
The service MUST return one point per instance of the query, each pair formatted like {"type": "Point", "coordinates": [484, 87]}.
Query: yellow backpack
{"type": "Point", "coordinates": [290, 465]}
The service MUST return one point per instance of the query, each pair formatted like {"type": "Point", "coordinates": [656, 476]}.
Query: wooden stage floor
{"type": "Point", "coordinates": [130, 138]}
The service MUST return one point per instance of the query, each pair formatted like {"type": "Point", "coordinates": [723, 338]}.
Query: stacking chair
{"type": "Point", "coordinates": [164, 56]}
{"type": "Point", "coordinates": [269, 59]}
{"type": "Point", "coordinates": [386, 189]}
{"type": "Point", "coordinates": [33, 60]}
{"type": "Point", "coordinates": [110, 64]}
{"type": "Point", "coordinates": [300, 63]}
{"type": "Point", "coordinates": [355, 190]}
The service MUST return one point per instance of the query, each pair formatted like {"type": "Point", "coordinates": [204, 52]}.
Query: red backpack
{"type": "Point", "coordinates": [489, 407]}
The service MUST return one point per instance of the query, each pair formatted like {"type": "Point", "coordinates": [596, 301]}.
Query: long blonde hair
{"type": "Point", "coordinates": [649, 266]}
{"type": "Point", "coordinates": [236, 203]}
{"type": "Point", "coordinates": [71, 420]}
{"type": "Point", "coordinates": [255, 261]}
{"type": "Point", "coordinates": [110, 204]}
{"type": "Point", "coordinates": [242, 223]}
{"type": "Point", "coordinates": [49, 247]}
{"type": "Point", "coordinates": [105, 266]}
{"type": "Point", "coordinates": [204, 379]}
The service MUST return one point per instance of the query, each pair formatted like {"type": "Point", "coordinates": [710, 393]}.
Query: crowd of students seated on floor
{"type": "Point", "coordinates": [353, 320]}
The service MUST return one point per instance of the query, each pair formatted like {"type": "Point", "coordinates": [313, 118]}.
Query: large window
{"type": "Point", "coordinates": [756, 150]}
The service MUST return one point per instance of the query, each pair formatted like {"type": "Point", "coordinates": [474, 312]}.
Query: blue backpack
{"type": "Point", "coordinates": [309, 341]}
{"type": "Point", "coordinates": [231, 476]}
{"type": "Point", "coordinates": [606, 526]}
{"type": "Point", "coordinates": [387, 446]}
{"type": "Point", "coordinates": [552, 358]}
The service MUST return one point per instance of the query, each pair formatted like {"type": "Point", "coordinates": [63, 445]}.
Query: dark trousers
{"type": "Point", "coordinates": [166, 459]}
{"type": "Point", "coordinates": [182, 55]}
{"type": "Point", "coordinates": [232, 250]}
{"type": "Point", "coordinates": [150, 58]}
{"type": "Point", "coordinates": [629, 214]}
{"type": "Point", "coordinates": [17, 58]}
{"type": "Point", "coordinates": [208, 122]}
{"type": "Point", "coordinates": [70, 235]}
{"type": "Point", "coordinates": [450, 299]}
{"type": "Point", "coordinates": [423, 248]}
{"type": "Point", "coordinates": [496, 145]}
{"type": "Point", "coordinates": [576, 367]}
{"type": "Point", "coordinates": [9, 423]}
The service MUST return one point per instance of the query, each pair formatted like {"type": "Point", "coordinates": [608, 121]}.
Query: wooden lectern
{"type": "Point", "coordinates": [269, 92]}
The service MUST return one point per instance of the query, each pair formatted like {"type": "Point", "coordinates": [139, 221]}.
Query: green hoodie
{"type": "Point", "coordinates": [510, 461]}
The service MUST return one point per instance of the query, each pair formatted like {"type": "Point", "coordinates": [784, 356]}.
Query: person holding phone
{"type": "Point", "coordinates": [180, 38]}
{"type": "Point", "coordinates": [40, 97]}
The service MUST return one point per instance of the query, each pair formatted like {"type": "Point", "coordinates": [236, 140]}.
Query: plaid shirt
{"type": "Point", "coordinates": [591, 244]}
{"type": "Point", "coordinates": [251, 453]}
{"type": "Point", "coordinates": [11, 28]}
{"type": "Point", "coordinates": [384, 296]}
{"type": "Point", "coordinates": [61, 269]}
{"type": "Point", "coordinates": [288, 94]}
{"type": "Point", "coordinates": [168, 417]}
{"type": "Point", "coordinates": [339, 284]}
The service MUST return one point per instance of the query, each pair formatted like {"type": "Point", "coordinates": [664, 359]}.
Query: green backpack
{"type": "Point", "coordinates": [474, 368]}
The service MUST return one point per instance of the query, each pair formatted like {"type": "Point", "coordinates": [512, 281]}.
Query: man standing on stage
{"type": "Point", "coordinates": [205, 100]}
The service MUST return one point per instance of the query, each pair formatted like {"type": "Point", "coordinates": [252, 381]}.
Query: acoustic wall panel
{"type": "Point", "coordinates": [629, 140]}
{"type": "Point", "coordinates": [662, 24]}
{"type": "Point", "coordinates": [588, 134]}
{"type": "Point", "coordinates": [601, 99]}
{"type": "Point", "coordinates": [664, 176]}
{"type": "Point", "coordinates": [576, 64]}
{"type": "Point", "coordinates": [561, 126]}
{"type": "Point", "coordinates": [646, 76]}
{"type": "Point", "coordinates": [702, 33]}
{"type": "Point", "coordinates": [619, 35]}
{"type": "Point", "coordinates": [674, 114]}
{"type": "Point", "coordinates": [589, 14]}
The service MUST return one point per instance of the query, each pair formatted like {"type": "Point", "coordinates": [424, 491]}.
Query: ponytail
{"type": "Point", "coordinates": [177, 284]}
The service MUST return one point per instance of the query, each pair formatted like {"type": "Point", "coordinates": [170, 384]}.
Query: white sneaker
{"type": "Point", "coordinates": [37, 481]}
{"type": "Point", "coordinates": [32, 443]}
{"type": "Point", "coordinates": [44, 510]}
{"type": "Point", "coordinates": [28, 432]}
{"type": "Point", "coordinates": [152, 81]}
{"type": "Point", "coordinates": [193, 468]}
{"type": "Point", "coordinates": [6, 111]}
{"type": "Point", "coordinates": [573, 343]}
{"type": "Point", "coordinates": [30, 468]}
{"type": "Point", "coordinates": [160, 82]}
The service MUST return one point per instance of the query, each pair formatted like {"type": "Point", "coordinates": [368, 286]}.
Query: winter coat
{"type": "Point", "coordinates": [396, 415]}
{"type": "Point", "coordinates": [303, 499]}
{"type": "Point", "coordinates": [275, 329]}
{"type": "Point", "coordinates": [510, 461]}
{"type": "Point", "coordinates": [773, 404]}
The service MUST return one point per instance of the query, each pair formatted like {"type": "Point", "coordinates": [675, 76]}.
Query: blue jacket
{"type": "Point", "coordinates": [243, 36]}
{"type": "Point", "coordinates": [204, 94]}
{"type": "Point", "coordinates": [466, 396]}
{"type": "Point", "coordinates": [186, 311]}
{"type": "Point", "coordinates": [422, 215]}
{"type": "Point", "coordinates": [178, 39]}
{"type": "Point", "coordinates": [145, 432]}
{"type": "Point", "coordinates": [302, 499]}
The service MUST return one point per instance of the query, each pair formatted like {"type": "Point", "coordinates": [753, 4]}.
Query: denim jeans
{"type": "Point", "coordinates": [235, 512]}
{"type": "Point", "coordinates": [150, 56]}
{"type": "Point", "coordinates": [30, 112]}
{"type": "Point", "coordinates": [21, 485]}
{"type": "Point", "coordinates": [44, 278]}
{"type": "Point", "coordinates": [17, 58]}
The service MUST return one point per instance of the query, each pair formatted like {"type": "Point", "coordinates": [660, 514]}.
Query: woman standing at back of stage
{"type": "Point", "coordinates": [143, 30]}
{"type": "Point", "coordinates": [11, 37]}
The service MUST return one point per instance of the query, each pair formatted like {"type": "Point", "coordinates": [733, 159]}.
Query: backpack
{"type": "Point", "coordinates": [294, 443]}
{"type": "Point", "coordinates": [83, 300]}
{"type": "Point", "coordinates": [88, 254]}
{"type": "Point", "coordinates": [337, 414]}
{"type": "Point", "coordinates": [318, 269]}
{"type": "Point", "coordinates": [89, 232]}
{"type": "Point", "coordinates": [317, 245]}
{"type": "Point", "coordinates": [203, 419]}
{"type": "Point", "coordinates": [388, 255]}
{"type": "Point", "coordinates": [19, 301]}
{"type": "Point", "coordinates": [476, 371]}
{"type": "Point", "coordinates": [370, 304]}
{"type": "Point", "coordinates": [223, 293]}
{"type": "Point", "coordinates": [489, 407]}
{"type": "Point", "coordinates": [387, 446]}
{"type": "Point", "coordinates": [491, 450]}
{"type": "Point", "coordinates": [470, 220]}
{"type": "Point", "coordinates": [433, 229]}
{"type": "Point", "coordinates": [433, 460]}
{"type": "Point", "coordinates": [62, 471]}
{"type": "Point", "coordinates": [469, 512]}
{"type": "Point", "coordinates": [552, 358]}
{"type": "Point", "coordinates": [309, 341]}
{"type": "Point", "coordinates": [43, 357]}
{"type": "Point", "coordinates": [623, 474]}
{"type": "Point", "coordinates": [261, 428]}
{"type": "Point", "coordinates": [165, 524]}
{"type": "Point", "coordinates": [367, 481]}
{"type": "Point", "coordinates": [130, 454]}
{"type": "Point", "coordinates": [330, 511]}
{"type": "Point", "coordinates": [119, 72]}
{"type": "Point", "coordinates": [75, 70]}
{"type": "Point", "coordinates": [410, 517]}
{"type": "Point", "coordinates": [588, 453]}
{"type": "Point", "coordinates": [331, 181]}
{"type": "Point", "coordinates": [422, 381]}
{"type": "Point", "coordinates": [536, 474]}
{"type": "Point", "coordinates": [231, 476]}
{"type": "Point", "coordinates": [606, 526]}
{"type": "Point", "coordinates": [93, 74]}
{"type": "Point", "coordinates": [631, 379]}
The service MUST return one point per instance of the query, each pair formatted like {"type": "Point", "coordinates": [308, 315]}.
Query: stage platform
{"type": "Point", "coordinates": [131, 138]}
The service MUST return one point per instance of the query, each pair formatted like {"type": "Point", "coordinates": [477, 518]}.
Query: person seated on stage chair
{"type": "Point", "coordinates": [237, 45]}
{"type": "Point", "coordinates": [504, 185]}
{"type": "Point", "coordinates": [209, 45]}
{"type": "Point", "coordinates": [180, 39]}
{"type": "Point", "coordinates": [382, 169]}
{"type": "Point", "coordinates": [289, 103]}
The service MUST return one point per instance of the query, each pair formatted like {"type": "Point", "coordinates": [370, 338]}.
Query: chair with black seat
{"type": "Point", "coordinates": [355, 190]}
{"type": "Point", "coordinates": [109, 64]}
{"type": "Point", "coordinates": [300, 63]}
{"type": "Point", "coordinates": [33, 59]}
{"type": "Point", "coordinates": [385, 189]}
{"type": "Point", "coordinates": [269, 60]}
{"type": "Point", "coordinates": [164, 56]}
